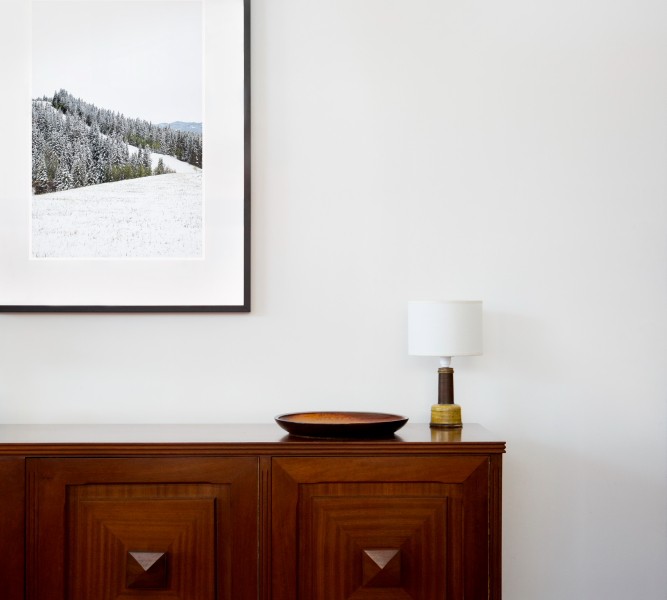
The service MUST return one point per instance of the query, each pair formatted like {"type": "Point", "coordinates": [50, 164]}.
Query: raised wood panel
{"type": "Point", "coordinates": [329, 512]}
{"type": "Point", "coordinates": [86, 514]}
{"type": "Point", "coordinates": [108, 522]}
{"type": "Point", "coordinates": [358, 544]}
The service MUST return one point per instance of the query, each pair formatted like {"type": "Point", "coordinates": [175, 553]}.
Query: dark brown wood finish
{"type": "Point", "coordinates": [265, 527]}
{"type": "Point", "coordinates": [86, 514]}
{"type": "Point", "coordinates": [495, 531]}
{"type": "Point", "coordinates": [445, 385]}
{"type": "Point", "coordinates": [207, 440]}
{"type": "Point", "coordinates": [147, 570]}
{"type": "Point", "coordinates": [321, 529]}
{"type": "Point", "coordinates": [244, 511]}
{"type": "Point", "coordinates": [12, 527]}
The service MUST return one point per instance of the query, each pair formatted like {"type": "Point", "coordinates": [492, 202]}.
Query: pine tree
{"type": "Point", "coordinates": [147, 160]}
{"type": "Point", "coordinates": [40, 180]}
{"type": "Point", "coordinates": [63, 179]}
{"type": "Point", "coordinates": [159, 169]}
{"type": "Point", "coordinates": [52, 162]}
{"type": "Point", "coordinates": [79, 173]}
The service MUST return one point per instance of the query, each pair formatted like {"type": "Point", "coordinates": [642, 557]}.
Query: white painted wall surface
{"type": "Point", "coordinates": [514, 152]}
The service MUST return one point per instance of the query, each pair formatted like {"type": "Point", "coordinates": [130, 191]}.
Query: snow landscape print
{"type": "Point", "coordinates": [117, 149]}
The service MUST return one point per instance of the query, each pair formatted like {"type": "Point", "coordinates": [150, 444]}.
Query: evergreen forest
{"type": "Point", "coordinates": [75, 144]}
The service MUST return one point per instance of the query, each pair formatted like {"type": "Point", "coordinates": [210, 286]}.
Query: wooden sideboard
{"type": "Point", "coordinates": [240, 512]}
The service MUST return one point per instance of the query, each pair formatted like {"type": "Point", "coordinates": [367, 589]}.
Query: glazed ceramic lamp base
{"type": "Point", "coordinates": [446, 416]}
{"type": "Point", "coordinates": [445, 413]}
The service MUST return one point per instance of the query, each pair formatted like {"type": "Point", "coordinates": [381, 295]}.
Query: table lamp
{"type": "Point", "coordinates": [445, 328]}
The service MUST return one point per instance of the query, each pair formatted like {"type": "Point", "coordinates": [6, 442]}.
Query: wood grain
{"type": "Point", "coordinates": [201, 511]}
{"type": "Point", "coordinates": [12, 527]}
{"type": "Point", "coordinates": [417, 516]}
{"type": "Point", "coordinates": [328, 511]}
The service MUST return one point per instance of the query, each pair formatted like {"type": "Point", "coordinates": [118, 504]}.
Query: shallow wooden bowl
{"type": "Point", "coordinates": [341, 424]}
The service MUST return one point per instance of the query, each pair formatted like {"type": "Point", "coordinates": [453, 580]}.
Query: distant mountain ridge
{"type": "Point", "coordinates": [187, 126]}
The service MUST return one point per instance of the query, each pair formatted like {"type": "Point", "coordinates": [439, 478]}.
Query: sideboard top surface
{"type": "Point", "coordinates": [230, 438]}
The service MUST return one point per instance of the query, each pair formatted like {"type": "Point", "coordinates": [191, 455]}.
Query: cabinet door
{"type": "Point", "coordinates": [380, 528]}
{"type": "Point", "coordinates": [127, 528]}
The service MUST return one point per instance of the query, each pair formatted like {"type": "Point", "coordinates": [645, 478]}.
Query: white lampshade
{"type": "Point", "coordinates": [445, 328]}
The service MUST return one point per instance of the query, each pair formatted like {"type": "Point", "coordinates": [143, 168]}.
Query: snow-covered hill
{"type": "Point", "coordinates": [171, 162]}
{"type": "Point", "coordinates": [76, 144]}
{"type": "Point", "coordinates": [149, 217]}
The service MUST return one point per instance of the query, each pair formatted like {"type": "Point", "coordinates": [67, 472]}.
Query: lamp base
{"type": "Point", "coordinates": [446, 415]}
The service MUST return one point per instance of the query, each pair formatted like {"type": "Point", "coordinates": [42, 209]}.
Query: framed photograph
{"type": "Point", "coordinates": [125, 182]}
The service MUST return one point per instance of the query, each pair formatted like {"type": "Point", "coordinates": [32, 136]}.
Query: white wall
{"type": "Point", "coordinates": [511, 151]}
